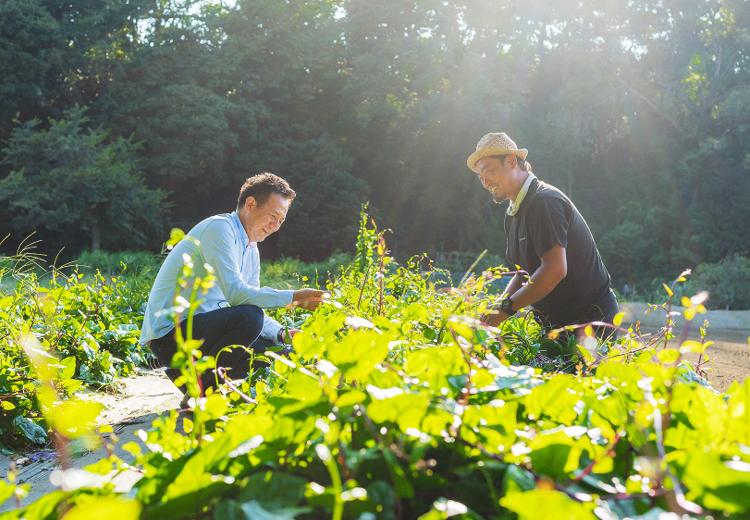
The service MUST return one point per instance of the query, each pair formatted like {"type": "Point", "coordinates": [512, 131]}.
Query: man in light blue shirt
{"type": "Point", "coordinates": [230, 312]}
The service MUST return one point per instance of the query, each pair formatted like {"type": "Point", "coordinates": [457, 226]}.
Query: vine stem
{"type": "Point", "coordinates": [381, 273]}
{"type": "Point", "coordinates": [222, 372]}
{"type": "Point", "coordinates": [333, 470]}
{"type": "Point", "coordinates": [364, 284]}
{"type": "Point", "coordinates": [588, 469]}
{"type": "Point", "coordinates": [471, 268]}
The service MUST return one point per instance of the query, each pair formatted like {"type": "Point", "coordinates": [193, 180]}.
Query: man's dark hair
{"type": "Point", "coordinates": [261, 186]}
{"type": "Point", "coordinates": [522, 164]}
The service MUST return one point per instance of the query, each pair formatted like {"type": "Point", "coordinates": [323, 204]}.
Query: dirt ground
{"type": "Point", "coordinates": [140, 401]}
{"type": "Point", "coordinates": [729, 357]}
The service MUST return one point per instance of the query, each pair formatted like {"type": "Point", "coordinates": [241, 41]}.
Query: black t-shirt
{"type": "Point", "coordinates": [547, 218]}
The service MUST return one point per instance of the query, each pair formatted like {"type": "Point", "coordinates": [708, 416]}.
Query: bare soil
{"type": "Point", "coordinates": [729, 357]}
{"type": "Point", "coordinates": [140, 401]}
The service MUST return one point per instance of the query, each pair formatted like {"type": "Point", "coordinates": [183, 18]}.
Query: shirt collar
{"type": "Point", "coordinates": [515, 205]}
{"type": "Point", "coordinates": [241, 231]}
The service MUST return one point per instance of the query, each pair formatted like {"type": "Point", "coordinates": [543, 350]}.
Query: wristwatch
{"type": "Point", "coordinates": [506, 305]}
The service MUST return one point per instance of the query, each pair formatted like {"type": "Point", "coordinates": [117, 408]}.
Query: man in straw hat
{"type": "Point", "coordinates": [231, 312]}
{"type": "Point", "coordinates": [548, 238]}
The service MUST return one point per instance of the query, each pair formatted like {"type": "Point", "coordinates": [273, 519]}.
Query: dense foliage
{"type": "Point", "coordinates": [727, 281]}
{"type": "Point", "coordinates": [73, 180]}
{"type": "Point", "coordinates": [638, 110]}
{"type": "Point", "coordinates": [398, 403]}
{"type": "Point", "coordinates": [88, 315]}
{"type": "Point", "coordinates": [142, 263]}
{"type": "Point", "coordinates": [90, 323]}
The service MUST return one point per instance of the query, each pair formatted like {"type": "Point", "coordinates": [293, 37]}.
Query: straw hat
{"type": "Point", "coordinates": [495, 143]}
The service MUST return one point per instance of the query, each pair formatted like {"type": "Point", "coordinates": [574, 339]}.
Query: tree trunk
{"type": "Point", "coordinates": [96, 236]}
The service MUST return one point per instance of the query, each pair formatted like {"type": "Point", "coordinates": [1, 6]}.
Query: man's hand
{"type": "Point", "coordinates": [309, 299]}
{"type": "Point", "coordinates": [495, 317]}
{"type": "Point", "coordinates": [286, 335]}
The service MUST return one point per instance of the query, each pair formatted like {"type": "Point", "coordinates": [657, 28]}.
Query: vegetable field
{"type": "Point", "coordinates": [397, 403]}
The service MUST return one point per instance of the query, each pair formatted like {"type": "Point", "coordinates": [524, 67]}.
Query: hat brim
{"type": "Point", "coordinates": [490, 151]}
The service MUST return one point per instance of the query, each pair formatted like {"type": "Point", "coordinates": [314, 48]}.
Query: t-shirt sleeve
{"type": "Point", "coordinates": [548, 224]}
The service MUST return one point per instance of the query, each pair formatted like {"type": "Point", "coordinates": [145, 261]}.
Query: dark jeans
{"type": "Point", "coordinates": [602, 310]}
{"type": "Point", "coordinates": [564, 350]}
{"type": "Point", "coordinates": [240, 325]}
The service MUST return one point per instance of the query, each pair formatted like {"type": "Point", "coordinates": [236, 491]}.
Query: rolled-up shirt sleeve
{"type": "Point", "coordinates": [271, 328]}
{"type": "Point", "coordinates": [218, 249]}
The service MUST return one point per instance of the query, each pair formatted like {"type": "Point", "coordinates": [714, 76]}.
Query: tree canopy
{"type": "Point", "coordinates": [68, 180]}
{"type": "Point", "coordinates": [639, 111]}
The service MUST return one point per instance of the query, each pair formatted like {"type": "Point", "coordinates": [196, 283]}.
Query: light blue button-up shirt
{"type": "Point", "coordinates": [223, 244]}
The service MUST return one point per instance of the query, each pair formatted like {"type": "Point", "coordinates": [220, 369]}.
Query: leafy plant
{"type": "Point", "coordinates": [727, 281]}
{"type": "Point", "coordinates": [91, 323]}
{"type": "Point", "coordinates": [290, 272]}
{"type": "Point", "coordinates": [397, 402]}
{"type": "Point", "coordinates": [121, 262]}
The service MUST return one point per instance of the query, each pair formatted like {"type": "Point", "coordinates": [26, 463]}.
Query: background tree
{"type": "Point", "coordinates": [69, 179]}
{"type": "Point", "coordinates": [637, 110]}
{"type": "Point", "coordinates": [54, 55]}
{"type": "Point", "coordinates": [29, 57]}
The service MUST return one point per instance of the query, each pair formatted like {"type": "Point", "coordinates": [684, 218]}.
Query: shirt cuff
{"type": "Point", "coordinates": [285, 297]}
{"type": "Point", "coordinates": [271, 330]}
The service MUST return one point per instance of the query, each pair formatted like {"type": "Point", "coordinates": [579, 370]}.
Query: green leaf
{"type": "Point", "coordinates": [358, 353]}
{"type": "Point", "coordinates": [554, 455]}
{"type": "Point", "coordinates": [611, 407]}
{"type": "Point", "coordinates": [407, 410]}
{"type": "Point", "coordinates": [716, 484]}
{"type": "Point", "coordinates": [546, 503]}
{"type": "Point", "coordinates": [350, 398]}
{"type": "Point", "coordinates": [555, 398]}
{"type": "Point", "coordinates": [313, 340]}
{"type": "Point", "coordinates": [518, 479]}
{"type": "Point", "coordinates": [175, 236]}
{"type": "Point", "coordinates": [6, 490]}
{"type": "Point", "coordinates": [75, 418]}
{"type": "Point", "coordinates": [273, 490]}
{"type": "Point", "coordinates": [215, 406]}
{"type": "Point", "coordinates": [30, 430]}
{"type": "Point", "coordinates": [106, 507]}
{"type": "Point", "coordinates": [421, 364]}
{"type": "Point", "coordinates": [69, 368]}
{"type": "Point", "coordinates": [303, 387]}
{"type": "Point", "coordinates": [668, 355]}
{"type": "Point", "coordinates": [617, 320]}
{"type": "Point", "coordinates": [694, 346]}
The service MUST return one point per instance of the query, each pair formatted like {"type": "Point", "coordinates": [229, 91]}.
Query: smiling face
{"type": "Point", "coordinates": [262, 220]}
{"type": "Point", "coordinates": [495, 175]}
